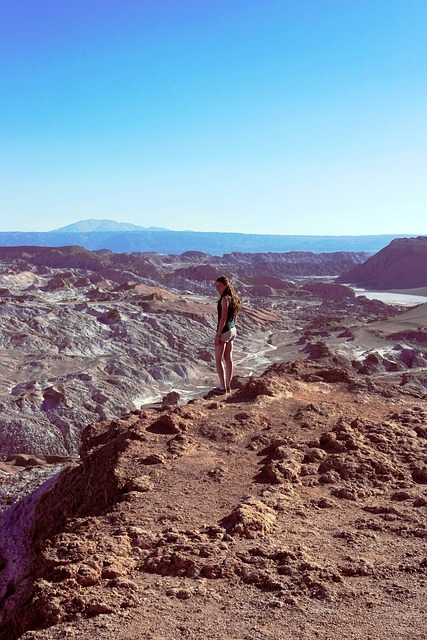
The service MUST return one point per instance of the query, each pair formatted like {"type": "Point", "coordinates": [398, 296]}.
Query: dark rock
{"type": "Point", "coordinates": [171, 398]}
{"type": "Point", "coordinates": [419, 475]}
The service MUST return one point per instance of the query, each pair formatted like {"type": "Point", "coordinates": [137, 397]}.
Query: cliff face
{"type": "Point", "coordinates": [292, 263]}
{"type": "Point", "coordinates": [259, 510]}
{"type": "Point", "coordinates": [400, 265]}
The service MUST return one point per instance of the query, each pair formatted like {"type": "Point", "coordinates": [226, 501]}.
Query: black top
{"type": "Point", "coordinates": [229, 323]}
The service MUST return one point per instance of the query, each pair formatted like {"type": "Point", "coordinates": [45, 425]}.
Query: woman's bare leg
{"type": "Point", "coordinates": [228, 357]}
{"type": "Point", "coordinates": [219, 353]}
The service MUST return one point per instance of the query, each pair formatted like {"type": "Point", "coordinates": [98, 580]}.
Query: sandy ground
{"type": "Point", "coordinates": [420, 291]}
{"type": "Point", "coordinates": [413, 320]}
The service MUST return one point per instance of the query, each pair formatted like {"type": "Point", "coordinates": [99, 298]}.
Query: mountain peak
{"type": "Point", "coordinates": [94, 225]}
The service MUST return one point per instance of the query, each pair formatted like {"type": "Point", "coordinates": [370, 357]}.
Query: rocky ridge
{"type": "Point", "coordinates": [303, 491]}
{"type": "Point", "coordinates": [400, 265]}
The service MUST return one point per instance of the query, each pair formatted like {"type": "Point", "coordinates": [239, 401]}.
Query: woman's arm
{"type": "Point", "coordinates": [224, 312]}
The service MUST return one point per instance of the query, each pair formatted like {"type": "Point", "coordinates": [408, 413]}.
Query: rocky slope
{"type": "Point", "coordinates": [400, 265]}
{"type": "Point", "coordinates": [294, 507]}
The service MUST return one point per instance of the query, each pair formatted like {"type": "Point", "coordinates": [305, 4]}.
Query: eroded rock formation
{"type": "Point", "coordinates": [400, 265]}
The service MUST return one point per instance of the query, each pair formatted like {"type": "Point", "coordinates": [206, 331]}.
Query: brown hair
{"type": "Point", "coordinates": [230, 291]}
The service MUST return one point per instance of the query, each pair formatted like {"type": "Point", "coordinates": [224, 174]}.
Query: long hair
{"type": "Point", "coordinates": [230, 291]}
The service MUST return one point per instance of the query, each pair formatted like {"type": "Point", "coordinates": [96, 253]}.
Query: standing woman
{"type": "Point", "coordinates": [228, 307]}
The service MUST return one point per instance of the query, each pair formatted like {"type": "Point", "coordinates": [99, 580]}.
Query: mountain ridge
{"type": "Point", "coordinates": [93, 225]}
{"type": "Point", "coordinates": [177, 242]}
{"type": "Point", "coordinates": [402, 264]}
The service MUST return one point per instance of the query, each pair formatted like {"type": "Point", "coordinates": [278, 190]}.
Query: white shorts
{"type": "Point", "coordinates": [228, 336]}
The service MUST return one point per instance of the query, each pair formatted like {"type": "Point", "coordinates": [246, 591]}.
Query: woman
{"type": "Point", "coordinates": [228, 307]}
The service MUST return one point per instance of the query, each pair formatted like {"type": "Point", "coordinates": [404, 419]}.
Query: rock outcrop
{"type": "Point", "coordinates": [400, 265]}
{"type": "Point", "coordinates": [303, 490]}
{"type": "Point", "coordinates": [329, 291]}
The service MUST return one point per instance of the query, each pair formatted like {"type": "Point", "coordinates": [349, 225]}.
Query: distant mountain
{"type": "Point", "coordinates": [177, 242]}
{"type": "Point", "coordinates": [400, 265]}
{"type": "Point", "coordinates": [96, 226]}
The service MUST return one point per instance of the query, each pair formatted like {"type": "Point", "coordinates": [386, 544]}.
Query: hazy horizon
{"type": "Point", "coordinates": [277, 118]}
{"type": "Point", "coordinates": [155, 228]}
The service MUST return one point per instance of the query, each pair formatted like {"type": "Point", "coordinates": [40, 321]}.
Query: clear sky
{"type": "Point", "coordinates": [261, 116]}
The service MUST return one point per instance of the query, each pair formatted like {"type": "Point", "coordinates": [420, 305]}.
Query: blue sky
{"type": "Point", "coordinates": [292, 117]}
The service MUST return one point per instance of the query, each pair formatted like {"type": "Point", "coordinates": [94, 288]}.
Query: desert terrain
{"type": "Point", "coordinates": [138, 505]}
{"type": "Point", "coordinates": [91, 335]}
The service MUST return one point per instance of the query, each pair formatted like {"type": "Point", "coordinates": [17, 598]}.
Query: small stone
{"type": "Point", "coordinates": [98, 607]}
{"type": "Point", "coordinates": [113, 571]}
{"type": "Point", "coordinates": [122, 583]}
{"type": "Point", "coordinates": [171, 398]}
{"type": "Point", "coordinates": [419, 475]}
{"type": "Point", "coordinates": [324, 503]}
{"type": "Point", "coordinates": [400, 496]}
{"type": "Point", "coordinates": [87, 576]}
{"type": "Point", "coordinates": [275, 604]}
{"type": "Point", "coordinates": [154, 458]}
{"type": "Point", "coordinates": [327, 478]}
{"type": "Point", "coordinates": [141, 484]}
{"type": "Point", "coordinates": [345, 494]}
{"type": "Point", "coordinates": [251, 518]}
{"type": "Point", "coordinates": [314, 455]}
{"type": "Point", "coordinates": [164, 425]}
